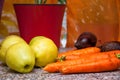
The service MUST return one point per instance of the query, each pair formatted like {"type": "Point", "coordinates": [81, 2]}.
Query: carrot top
{"type": "Point", "coordinates": [118, 56]}
{"type": "Point", "coordinates": [62, 58]}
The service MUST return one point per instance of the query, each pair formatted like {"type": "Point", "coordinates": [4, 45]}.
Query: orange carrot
{"type": "Point", "coordinates": [54, 67]}
{"type": "Point", "coordinates": [80, 51]}
{"type": "Point", "coordinates": [74, 54]}
{"type": "Point", "coordinates": [109, 64]}
{"type": "Point", "coordinates": [72, 57]}
{"type": "Point", "coordinates": [68, 57]}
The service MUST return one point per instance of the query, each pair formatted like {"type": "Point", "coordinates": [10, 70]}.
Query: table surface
{"type": "Point", "coordinates": [39, 74]}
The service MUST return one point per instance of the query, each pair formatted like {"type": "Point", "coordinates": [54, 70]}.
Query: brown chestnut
{"type": "Point", "coordinates": [109, 46]}
{"type": "Point", "coordinates": [86, 39]}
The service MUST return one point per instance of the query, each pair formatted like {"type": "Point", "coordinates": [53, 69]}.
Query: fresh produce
{"type": "Point", "coordinates": [76, 53]}
{"type": "Point", "coordinates": [6, 43]}
{"type": "Point", "coordinates": [69, 57]}
{"type": "Point", "coordinates": [108, 64]}
{"type": "Point", "coordinates": [109, 46]}
{"type": "Point", "coordinates": [20, 57]}
{"type": "Point", "coordinates": [45, 50]}
{"type": "Point", "coordinates": [102, 61]}
{"type": "Point", "coordinates": [86, 39]}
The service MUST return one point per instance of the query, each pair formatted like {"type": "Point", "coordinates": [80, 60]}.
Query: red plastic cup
{"type": "Point", "coordinates": [40, 20]}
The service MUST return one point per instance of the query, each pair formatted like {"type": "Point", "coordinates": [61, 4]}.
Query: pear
{"type": "Point", "coordinates": [20, 57]}
{"type": "Point", "coordinates": [45, 50]}
{"type": "Point", "coordinates": [6, 43]}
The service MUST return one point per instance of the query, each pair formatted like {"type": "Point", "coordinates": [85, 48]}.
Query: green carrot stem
{"type": "Point", "coordinates": [62, 58]}
{"type": "Point", "coordinates": [118, 56]}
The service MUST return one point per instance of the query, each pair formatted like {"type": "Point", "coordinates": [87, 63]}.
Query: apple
{"type": "Point", "coordinates": [20, 57]}
{"type": "Point", "coordinates": [6, 43]}
{"type": "Point", "coordinates": [45, 50]}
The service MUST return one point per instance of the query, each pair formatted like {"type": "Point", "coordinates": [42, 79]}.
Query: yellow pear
{"type": "Point", "coordinates": [20, 57]}
{"type": "Point", "coordinates": [6, 43]}
{"type": "Point", "coordinates": [45, 50]}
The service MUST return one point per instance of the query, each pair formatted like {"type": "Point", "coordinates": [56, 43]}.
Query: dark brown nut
{"type": "Point", "coordinates": [86, 39]}
{"type": "Point", "coordinates": [109, 46]}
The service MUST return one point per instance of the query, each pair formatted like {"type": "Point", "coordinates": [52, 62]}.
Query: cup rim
{"type": "Point", "coordinates": [17, 4]}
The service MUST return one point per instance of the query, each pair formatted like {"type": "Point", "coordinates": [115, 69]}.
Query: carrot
{"type": "Point", "coordinates": [72, 57]}
{"type": "Point", "coordinates": [54, 67]}
{"type": "Point", "coordinates": [68, 57]}
{"type": "Point", "coordinates": [80, 51]}
{"type": "Point", "coordinates": [74, 54]}
{"type": "Point", "coordinates": [109, 64]}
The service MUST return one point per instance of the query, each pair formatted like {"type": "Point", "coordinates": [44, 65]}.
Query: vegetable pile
{"type": "Point", "coordinates": [88, 61]}
{"type": "Point", "coordinates": [87, 57]}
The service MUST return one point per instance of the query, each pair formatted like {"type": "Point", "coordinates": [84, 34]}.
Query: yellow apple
{"type": "Point", "coordinates": [6, 43]}
{"type": "Point", "coordinates": [20, 57]}
{"type": "Point", "coordinates": [45, 50]}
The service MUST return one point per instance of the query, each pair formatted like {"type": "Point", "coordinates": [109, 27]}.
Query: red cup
{"type": "Point", "coordinates": [40, 20]}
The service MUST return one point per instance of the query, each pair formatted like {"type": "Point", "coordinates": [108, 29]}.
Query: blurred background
{"type": "Point", "coordinates": [101, 17]}
{"type": "Point", "coordinates": [9, 23]}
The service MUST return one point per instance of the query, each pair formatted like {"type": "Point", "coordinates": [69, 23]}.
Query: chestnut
{"type": "Point", "coordinates": [86, 39]}
{"type": "Point", "coordinates": [109, 46]}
